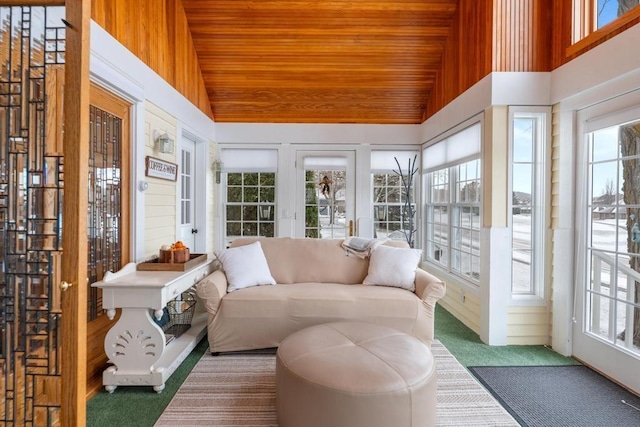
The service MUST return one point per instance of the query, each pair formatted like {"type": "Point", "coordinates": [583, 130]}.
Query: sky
{"type": "Point", "coordinates": [522, 152]}
{"type": "Point", "coordinates": [609, 12]}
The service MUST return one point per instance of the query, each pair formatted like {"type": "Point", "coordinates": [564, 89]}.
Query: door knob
{"type": "Point", "coordinates": [65, 285]}
{"type": "Point", "coordinates": [194, 231]}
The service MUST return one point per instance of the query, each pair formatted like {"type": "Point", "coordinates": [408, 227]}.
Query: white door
{"type": "Point", "coordinates": [325, 199]}
{"type": "Point", "coordinates": [606, 333]}
{"type": "Point", "coordinates": [187, 171]}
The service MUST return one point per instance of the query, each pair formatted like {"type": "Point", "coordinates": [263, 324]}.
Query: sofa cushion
{"type": "Point", "coordinates": [393, 267]}
{"type": "Point", "coordinates": [245, 266]}
{"type": "Point", "coordinates": [301, 260]}
{"type": "Point", "coordinates": [263, 316]}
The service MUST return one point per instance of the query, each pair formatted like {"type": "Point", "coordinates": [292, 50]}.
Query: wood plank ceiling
{"type": "Point", "coordinates": [338, 61]}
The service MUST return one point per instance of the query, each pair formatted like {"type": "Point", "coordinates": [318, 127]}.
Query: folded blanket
{"type": "Point", "coordinates": [360, 246]}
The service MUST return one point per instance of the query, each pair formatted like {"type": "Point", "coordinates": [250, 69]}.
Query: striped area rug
{"type": "Point", "coordinates": [239, 390]}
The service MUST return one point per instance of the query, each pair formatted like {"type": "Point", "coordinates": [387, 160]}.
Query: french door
{"type": "Point", "coordinates": [607, 335]}
{"type": "Point", "coordinates": [43, 213]}
{"type": "Point", "coordinates": [325, 194]}
{"type": "Point", "coordinates": [187, 172]}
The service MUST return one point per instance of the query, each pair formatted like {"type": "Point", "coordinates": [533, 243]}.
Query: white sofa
{"type": "Point", "coordinates": [316, 283]}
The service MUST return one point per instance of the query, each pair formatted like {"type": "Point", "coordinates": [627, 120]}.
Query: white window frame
{"type": "Point", "coordinates": [452, 149]}
{"type": "Point", "coordinates": [383, 163]}
{"type": "Point", "coordinates": [248, 161]}
{"type": "Point", "coordinates": [455, 228]}
{"type": "Point", "coordinates": [540, 234]}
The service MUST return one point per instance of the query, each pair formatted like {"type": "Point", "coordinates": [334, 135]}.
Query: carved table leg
{"type": "Point", "coordinates": [133, 345]}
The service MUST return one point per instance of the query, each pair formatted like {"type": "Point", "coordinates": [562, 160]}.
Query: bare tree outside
{"type": "Point", "coordinates": [609, 194]}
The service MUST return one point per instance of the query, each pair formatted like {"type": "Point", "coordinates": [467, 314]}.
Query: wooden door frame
{"type": "Point", "coordinates": [107, 101]}
{"type": "Point", "coordinates": [74, 255]}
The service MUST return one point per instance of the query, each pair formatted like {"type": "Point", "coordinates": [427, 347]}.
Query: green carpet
{"type": "Point", "coordinates": [466, 346]}
{"type": "Point", "coordinates": [141, 406]}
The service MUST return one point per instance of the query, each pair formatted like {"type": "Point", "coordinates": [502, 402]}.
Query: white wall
{"type": "Point", "coordinates": [291, 133]}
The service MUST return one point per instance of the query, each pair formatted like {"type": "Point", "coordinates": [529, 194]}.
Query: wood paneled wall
{"type": "Point", "coordinates": [156, 31]}
{"type": "Point", "coordinates": [492, 35]}
{"type": "Point", "coordinates": [513, 35]}
{"type": "Point", "coordinates": [561, 24]}
{"type": "Point", "coordinates": [467, 55]}
{"type": "Point", "coordinates": [521, 36]}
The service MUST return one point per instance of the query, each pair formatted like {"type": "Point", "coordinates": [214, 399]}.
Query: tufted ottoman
{"type": "Point", "coordinates": [351, 374]}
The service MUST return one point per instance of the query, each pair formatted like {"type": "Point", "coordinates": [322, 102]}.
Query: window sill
{"type": "Point", "coordinates": [446, 276]}
{"type": "Point", "coordinates": [613, 28]}
{"type": "Point", "coordinates": [527, 301]}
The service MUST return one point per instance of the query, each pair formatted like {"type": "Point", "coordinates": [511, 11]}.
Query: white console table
{"type": "Point", "coordinates": [135, 345]}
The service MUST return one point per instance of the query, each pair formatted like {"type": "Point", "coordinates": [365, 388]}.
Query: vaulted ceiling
{"type": "Point", "coordinates": [333, 61]}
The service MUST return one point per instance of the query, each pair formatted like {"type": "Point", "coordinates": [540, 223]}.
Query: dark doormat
{"type": "Point", "coordinates": [560, 396]}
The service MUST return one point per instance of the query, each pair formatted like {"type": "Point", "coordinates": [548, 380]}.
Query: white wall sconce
{"type": "Point", "coordinates": [164, 144]}
{"type": "Point", "coordinates": [217, 168]}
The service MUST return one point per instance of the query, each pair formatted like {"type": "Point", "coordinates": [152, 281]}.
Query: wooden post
{"type": "Point", "coordinates": [74, 235]}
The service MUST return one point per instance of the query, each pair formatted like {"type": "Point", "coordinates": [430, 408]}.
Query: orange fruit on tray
{"type": "Point", "coordinates": [176, 253]}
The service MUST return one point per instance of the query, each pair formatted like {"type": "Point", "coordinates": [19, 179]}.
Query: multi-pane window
{"type": "Point", "coordinates": [249, 192]}
{"type": "Point", "coordinates": [465, 220]}
{"type": "Point", "coordinates": [394, 194]}
{"type": "Point", "coordinates": [526, 201]}
{"type": "Point", "coordinates": [438, 217]}
{"type": "Point", "coordinates": [250, 204]}
{"type": "Point", "coordinates": [453, 218]}
{"type": "Point", "coordinates": [453, 211]}
{"type": "Point", "coordinates": [522, 202]}
{"type": "Point", "coordinates": [389, 197]}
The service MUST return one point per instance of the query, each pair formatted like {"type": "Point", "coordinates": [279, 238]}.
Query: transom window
{"type": "Point", "coordinates": [592, 15]}
{"type": "Point", "coordinates": [609, 10]}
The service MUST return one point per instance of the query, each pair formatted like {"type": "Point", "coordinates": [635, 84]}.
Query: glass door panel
{"type": "Point", "coordinates": [32, 186]}
{"type": "Point", "coordinates": [608, 333]}
{"type": "Point", "coordinates": [188, 226]}
{"type": "Point", "coordinates": [326, 207]}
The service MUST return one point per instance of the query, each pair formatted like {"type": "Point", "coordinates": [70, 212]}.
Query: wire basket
{"type": "Point", "coordinates": [178, 316]}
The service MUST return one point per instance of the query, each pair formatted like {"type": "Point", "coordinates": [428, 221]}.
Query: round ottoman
{"type": "Point", "coordinates": [351, 374]}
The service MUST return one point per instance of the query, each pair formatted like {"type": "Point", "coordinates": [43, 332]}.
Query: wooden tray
{"type": "Point", "coordinates": [154, 265]}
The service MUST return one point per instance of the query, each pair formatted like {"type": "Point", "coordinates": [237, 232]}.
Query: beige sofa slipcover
{"type": "Point", "coordinates": [316, 283]}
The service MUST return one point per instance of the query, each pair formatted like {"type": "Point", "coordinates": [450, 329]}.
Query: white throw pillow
{"type": "Point", "coordinates": [389, 266]}
{"type": "Point", "coordinates": [245, 266]}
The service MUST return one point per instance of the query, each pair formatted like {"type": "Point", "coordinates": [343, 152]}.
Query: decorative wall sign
{"type": "Point", "coordinates": [161, 169]}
